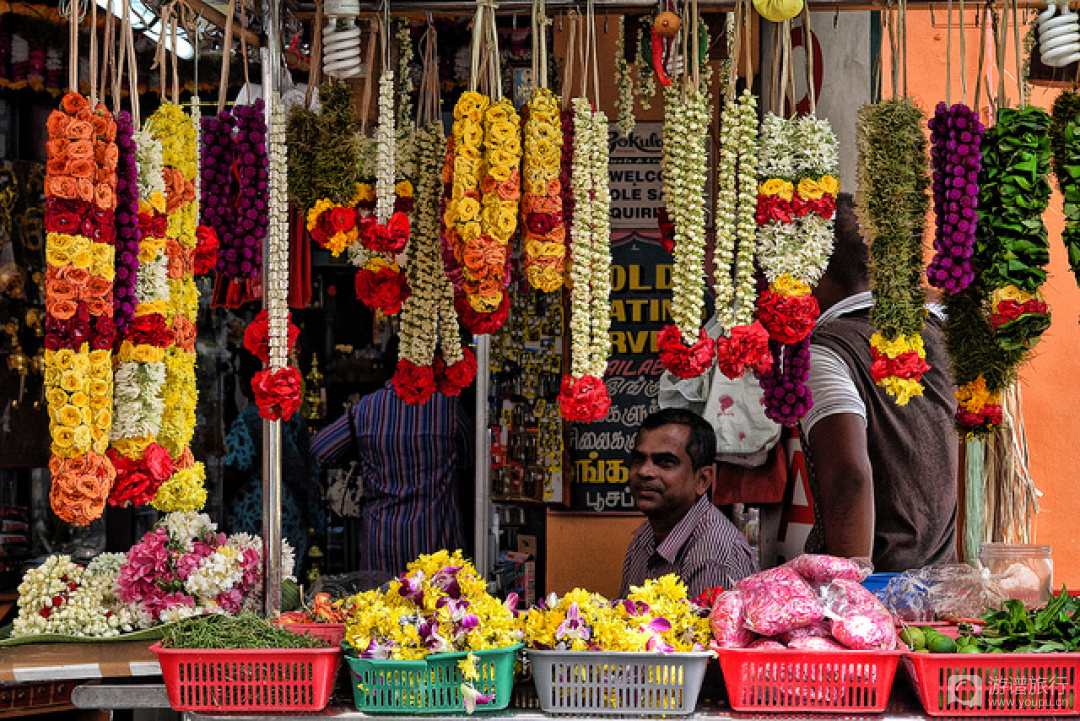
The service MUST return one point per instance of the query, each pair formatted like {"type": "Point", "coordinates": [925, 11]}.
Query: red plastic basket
{"type": "Point", "coordinates": [995, 684]}
{"type": "Point", "coordinates": [248, 679]}
{"type": "Point", "coordinates": [332, 633]}
{"type": "Point", "coordinates": [811, 681]}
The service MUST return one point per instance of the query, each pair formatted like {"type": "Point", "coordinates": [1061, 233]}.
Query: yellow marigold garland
{"type": "Point", "coordinates": [541, 205]}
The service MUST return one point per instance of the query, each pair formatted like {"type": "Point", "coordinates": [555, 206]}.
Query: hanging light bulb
{"type": "Point", "coordinates": [341, 47]}
{"type": "Point", "coordinates": [1059, 36]}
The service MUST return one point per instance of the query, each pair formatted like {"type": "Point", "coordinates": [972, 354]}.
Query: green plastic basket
{"type": "Point", "coordinates": [432, 685]}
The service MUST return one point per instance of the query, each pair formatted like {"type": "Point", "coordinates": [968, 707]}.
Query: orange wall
{"type": "Point", "coordinates": [1051, 401]}
{"type": "Point", "coordinates": [587, 552]}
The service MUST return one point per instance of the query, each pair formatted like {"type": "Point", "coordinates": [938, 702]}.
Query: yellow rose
{"type": "Point", "coordinates": [52, 375]}
{"type": "Point", "coordinates": [101, 360]}
{"type": "Point", "coordinates": [1011, 292]}
{"type": "Point", "coordinates": [469, 101]}
{"type": "Point", "coordinates": [57, 258]}
{"type": "Point", "coordinates": [157, 201]}
{"type": "Point", "coordinates": [98, 402]}
{"type": "Point", "coordinates": [499, 172]}
{"type": "Point", "coordinates": [777, 186]}
{"type": "Point", "coordinates": [82, 439]}
{"type": "Point", "coordinates": [450, 217]}
{"type": "Point", "coordinates": [810, 189]}
{"type": "Point", "coordinates": [82, 258]}
{"type": "Point", "coordinates": [472, 134]}
{"type": "Point", "coordinates": [147, 354]}
{"type": "Point", "coordinates": [64, 359]}
{"type": "Point", "coordinates": [466, 172]}
{"type": "Point", "coordinates": [99, 387]}
{"type": "Point", "coordinates": [79, 399]}
{"type": "Point", "coordinates": [103, 419]}
{"type": "Point", "coordinates": [512, 147]}
{"type": "Point", "coordinates": [55, 397]}
{"type": "Point", "coordinates": [63, 437]}
{"type": "Point", "coordinates": [787, 286]}
{"type": "Point", "coordinates": [470, 232]}
{"type": "Point", "coordinates": [547, 154]}
{"type": "Point", "coordinates": [501, 131]}
{"type": "Point", "coordinates": [485, 303]}
{"type": "Point", "coordinates": [467, 209]}
{"type": "Point", "coordinates": [404, 189]}
{"type": "Point", "coordinates": [544, 278]}
{"type": "Point", "coordinates": [471, 152]}
{"type": "Point", "coordinates": [539, 249]}
{"type": "Point", "coordinates": [60, 242]}
{"type": "Point", "coordinates": [829, 184]}
{"type": "Point", "coordinates": [71, 381]}
{"type": "Point", "coordinates": [498, 158]}
{"type": "Point", "coordinates": [69, 416]}
{"type": "Point", "coordinates": [498, 113]}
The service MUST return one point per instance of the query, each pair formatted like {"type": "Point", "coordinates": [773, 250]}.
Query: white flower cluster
{"type": "Point", "coordinates": [151, 178]}
{"type": "Point", "coordinates": [405, 58]}
{"type": "Point", "coordinates": [196, 119]}
{"type": "Point", "coordinates": [778, 148]}
{"type": "Point", "coordinates": [624, 78]}
{"type": "Point", "coordinates": [61, 597]}
{"type": "Point", "coordinates": [422, 313]}
{"type": "Point", "coordinates": [386, 150]}
{"type": "Point", "coordinates": [818, 151]}
{"type": "Point", "coordinates": [590, 270]}
{"type": "Point", "coordinates": [686, 126]}
{"type": "Point", "coordinates": [216, 574]}
{"type": "Point", "coordinates": [277, 238]}
{"type": "Point", "coordinates": [245, 541]}
{"type": "Point", "coordinates": [136, 413]}
{"type": "Point", "coordinates": [184, 527]}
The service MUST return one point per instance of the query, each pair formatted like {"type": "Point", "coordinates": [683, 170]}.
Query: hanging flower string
{"type": "Point", "coordinates": [584, 396]}
{"type": "Point", "coordinates": [891, 206]}
{"type": "Point", "coordinates": [1065, 141]}
{"type": "Point", "coordinates": [128, 234]}
{"type": "Point", "coordinates": [175, 130]}
{"type": "Point", "coordinates": [80, 184]}
{"type": "Point", "coordinates": [624, 80]}
{"type": "Point", "coordinates": [541, 205]}
{"type": "Point", "coordinates": [956, 159]}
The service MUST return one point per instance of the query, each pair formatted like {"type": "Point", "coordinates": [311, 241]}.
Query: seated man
{"type": "Point", "coordinates": [671, 471]}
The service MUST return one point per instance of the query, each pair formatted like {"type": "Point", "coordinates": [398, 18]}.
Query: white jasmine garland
{"type": "Point", "coordinates": [778, 148]}
{"type": "Point", "coordinates": [386, 150]}
{"type": "Point", "coordinates": [277, 239]}
{"type": "Point", "coordinates": [137, 414]}
{"type": "Point", "coordinates": [624, 78]}
{"type": "Point", "coordinates": [61, 597]}
{"type": "Point", "coordinates": [148, 159]}
{"type": "Point", "coordinates": [686, 125]}
{"type": "Point", "coordinates": [745, 290]}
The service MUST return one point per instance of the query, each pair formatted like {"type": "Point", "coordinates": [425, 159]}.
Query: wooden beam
{"type": "Point", "coordinates": [218, 18]}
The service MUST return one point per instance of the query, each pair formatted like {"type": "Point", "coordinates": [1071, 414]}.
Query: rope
{"type": "Point", "coordinates": [133, 75]}
{"type": "Point", "coordinates": [365, 100]}
{"type": "Point", "coordinates": [963, 56]}
{"type": "Point", "coordinates": [226, 56]}
{"type": "Point", "coordinates": [595, 53]}
{"type": "Point", "coordinates": [982, 60]}
{"type": "Point", "coordinates": [93, 54]}
{"type": "Point", "coordinates": [948, 53]}
{"type": "Point", "coordinates": [315, 68]}
{"type": "Point", "coordinates": [106, 79]}
{"type": "Point", "coordinates": [243, 47]}
{"type": "Point", "coordinates": [1020, 100]}
{"type": "Point", "coordinates": [540, 23]}
{"type": "Point", "coordinates": [571, 47]}
{"type": "Point", "coordinates": [427, 107]}
{"type": "Point", "coordinates": [73, 45]}
{"type": "Point", "coordinates": [1001, 30]}
{"type": "Point", "coordinates": [903, 41]}
{"type": "Point", "coordinates": [808, 45]}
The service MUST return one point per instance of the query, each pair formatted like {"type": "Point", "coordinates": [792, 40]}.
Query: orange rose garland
{"type": "Point", "coordinates": [541, 205]}
{"type": "Point", "coordinates": [80, 194]}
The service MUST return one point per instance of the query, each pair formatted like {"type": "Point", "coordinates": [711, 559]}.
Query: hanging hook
{"type": "Point", "coordinates": [836, 17]}
{"type": "Point", "coordinates": [560, 22]}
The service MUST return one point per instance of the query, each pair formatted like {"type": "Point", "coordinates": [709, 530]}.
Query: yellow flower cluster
{"type": "Point", "coordinates": [975, 396]}
{"type": "Point", "coordinates": [812, 189]}
{"type": "Point", "coordinates": [175, 130]}
{"type": "Point", "coordinates": [438, 591]}
{"type": "Point", "coordinates": [902, 389]}
{"type": "Point", "coordinates": [79, 398]}
{"type": "Point", "coordinates": [622, 626]}
{"type": "Point", "coordinates": [777, 186]}
{"type": "Point", "coordinates": [178, 419]}
{"type": "Point", "coordinates": [786, 285]}
{"type": "Point", "coordinates": [81, 252]}
{"type": "Point", "coordinates": [1011, 292]}
{"type": "Point", "coordinates": [183, 298]}
{"type": "Point", "coordinates": [545, 237]}
{"type": "Point", "coordinates": [182, 224]}
{"type": "Point", "coordinates": [142, 353]}
{"type": "Point", "coordinates": [337, 240]}
{"type": "Point", "coordinates": [184, 491]}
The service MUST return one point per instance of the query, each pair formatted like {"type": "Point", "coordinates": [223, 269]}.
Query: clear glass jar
{"type": "Point", "coordinates": [1025, 571]}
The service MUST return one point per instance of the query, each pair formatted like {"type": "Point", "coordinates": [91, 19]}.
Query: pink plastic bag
{"type": "Point", "coordinates": [727, 619]}
{"type": "Point", "coordinates": [768, 644]}
{"type": "Point", "coordinates": [815, 643]}
{"type": "Point", "coordinates": [778, 600]}
{"type": "Point", "coordinates": [819, 568]}
{"type": "Point", "coordinates": [859, 620]}
{"type": "Point", "coordinates": [818, 629]}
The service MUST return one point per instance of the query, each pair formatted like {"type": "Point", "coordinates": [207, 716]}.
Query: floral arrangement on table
{"type": "Point", "coordinates": [234, 193]}
{"type": "Point", "coordinates": [685, 348]}
{"type": "Point", "coordinates": [63, 597]}
{"type": "Point", "coordinates": [891, 205]}
{"type": "Point", "coordinates": [80, 201]}
{"type": "Point", "coordinates": [544, 237]}
{"type": "Point", "coordinates": [796, 206]}
{"type": "Point", "coordinates": [142, 464]}
{"type": "Point", "coordinates": [993, 324]}
{"type": "Point", "coordinates": [744, 342]}
{"type": "Point", "coordinates": [438, 605]}
{"type": "Point", "coordinates": [176, 131]}
{"type": "Point", "coordinates": [428, 317]}
{"type": "Point", "coordinates": [323, 157]}
{"type": "Point", "coordinates": [956, 159]}
{"type": "Point", "coordinates": [656, 616]}
{"type": "Point", "coordinates": [185, 567]}
{"type": "Point", "coordinates": [1065, 141]}
{"type": "Point", "coordinates": [380, 282]}
{"type": "Point", "coordinates": [583, 396]}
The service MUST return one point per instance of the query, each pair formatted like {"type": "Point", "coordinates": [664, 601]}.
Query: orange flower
{"type": "Point", "coordinates": [100, 124]}
{"type": "Point", "coordinates": [104, 197]}
{"type": "Point", "coordinates": [175, 267]}
{"type": "Point", "coordinates": [107, 155]}
{"type": "Point", "coordinates": [84, 189]}
{"type": "Point", "coordinates": [76, 276]}
{"type": "Point", "coordinates": [514, 180]}
{"type": "Point", "coordinates": [80, 150]}
{"type": "Point", "coordinates": [57, 124]}
{"type": "Point", "coordinates": [80, 130]}
{"type": "Point", "coordinates": [189, 191]}
{"type": "Point", "coordinates": [104, 175]}
{"type": "Point", "coordinates": [554, 187]}
{"type": "Point", "coordinates": [184, 332]}
{"type": "Point", "coordinates": [62, 186]}
{"type": "Point", "coordinates": [100, 305]}
{"type": "Point", "coordinates": [484, 257]}
{"type": "Point", "coordinates": [57, 147]}
{"type": "Point", "coordinates": [174, 189]}
{"type": "Point", "coordinates": [488, 185]}
{"type": "Point", "coordinates": [59, 288]}
{"type": "Point", "coordinates": [98, 286]}
{"type": "Point", "coordinates": [80, 169]}
{"type": "Point", "coordinates": [59, 166]}
{"type": "Point", "coordinates": [509, 192]}
{"type": "Point", "coordinates": [60, 309]}
{"type": "Point", "coordinates": [72, 103]}
{"type": "Point", "coordinates": [186, 459]}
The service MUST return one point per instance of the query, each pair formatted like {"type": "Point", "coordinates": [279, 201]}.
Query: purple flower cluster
{"type": "Point", "coordinates": [785, 395]}
{"type": "Point", "coordinates": [128, 233]}
{"type": "Point", "coordinates": [235, 188]}
{"type": "Point", "coordinates": [956, 158]}
{"type": "Point", "coordinates": [567, 161]}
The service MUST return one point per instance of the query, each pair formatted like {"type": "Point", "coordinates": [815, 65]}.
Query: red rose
{"type": "Point", "coordinates": [907, 365]}
{"type": "Point", "coordinates": [384, 290]}
{"type": "Point", "coordinates": [342, 219]}
{"type": "Point", "coordinates": [540, 223]}
{"type": "Point", "coordinates": [277, 394]}
{"type": "Point", "coordinates": [788, 318]}
{"type": "Point", "coordinates": [206, 249]}
{"type": "Point", "coordinates": [825, 206]}
{"type": "Point", "coordinates": [667, 229]}
{"type": "Point", "coordinates": [456, 377]}
{"type": "Point", "coordinates": [748, 347]}
{"type": "Point", "coordinates": [150, 329]}
{"type": "Point", "coordinates": [772, 208]}
{"type": "Point", "coordinates": [257, 336]}
{"type": "Point", "coordinates": [992, 414]}
{"type": "Point", "coordinates": [66, 223]}
{"type": "Point", "coordinates": [135, 488]}
{"type": "Point", "coordinates": [584, 400]}
{"type": "Point", "coordinates": [684, 361]}
{"type": "Point", "coordinates": [481, 323]}
{"type": "Point", "coordinates": [389, 238]}
{"type": "Point", "coordinates": [414, 384]}
{"type": "Point", "coordinates": [158, 462]}
{"type": "Point", "coordinates": [403, 205]}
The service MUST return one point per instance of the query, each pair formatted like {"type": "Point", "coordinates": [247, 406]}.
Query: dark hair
{"type": "Point", "coordinates": [700, 445]}
{"type": "Point", "coordinates": [849, 263]}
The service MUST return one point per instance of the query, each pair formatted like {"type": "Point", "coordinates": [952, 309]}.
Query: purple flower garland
{"type": "Point", "coordinates": [786, 397]}
{"type": "Point", "coordinates": [217, 162]}
{"type": "Point", "coordinates": [566, 166]}
{"type": "Point", "coordinates": [128, 233]}
{"type": "Point", "coordinates": [253, 171]}
{"type": "Point", "coordinates": [956, 158]}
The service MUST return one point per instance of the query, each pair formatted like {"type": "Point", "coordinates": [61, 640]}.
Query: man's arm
{"type": "Point", "coordinates": [334, 443]}
{"type": "Point", "coordinates": [845, 484]}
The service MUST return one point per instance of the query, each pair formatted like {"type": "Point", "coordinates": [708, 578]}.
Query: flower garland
{"type": "Point", "coordinates": [1065, 140]}
{"type": "Point", "coordinates": [175, 130]}
{"type": "Point", "coordinates": [278, 386]}
{"type": "Point", "coordinates": [685, 348]}
{"type": "Point", "coordinates": [784, 392]}
{"type": "Point", "coordinates": [956, 158]}
{"type": "Point", "coordinates": [744, 342]}
{"type": "Point", "coordinates": [891, 205]}
{"type": "Point", "coordinates": [993, 324]}
{"type": "Point", "coordinates": [234, 188]}
{"type": "Point", "coordinates": [584, 396]}
{"type": "Point", "coordinates": [128, 234]}
{"type": "Point", "coordinates": [80, 203]}
{"type": "Point", "coordinates": [541, 204]}
{"type": "Point", "coordinates": [63, 597]}
{"type": "Point", "coordinates": [624, 79]}
{"type": "Point", "coordinates": [645, 85]}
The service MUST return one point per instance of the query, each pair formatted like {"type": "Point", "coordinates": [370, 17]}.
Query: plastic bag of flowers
{"type": "Point", "coordinates": [642, 654]}
{"type": "Point", "coordinates": [434, 640]}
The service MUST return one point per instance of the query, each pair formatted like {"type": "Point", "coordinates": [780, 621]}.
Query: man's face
{"type": "Point", "coordinates": [662, 478]}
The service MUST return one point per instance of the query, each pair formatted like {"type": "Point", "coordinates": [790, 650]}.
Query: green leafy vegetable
{"type": "Point", "coordinates": [1015, 629]}
{"type": "Point", "coordinates": [244, 631]}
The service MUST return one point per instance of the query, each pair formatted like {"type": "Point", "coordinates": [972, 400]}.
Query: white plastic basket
{"type": "Point", "coordinates": [618, 683]}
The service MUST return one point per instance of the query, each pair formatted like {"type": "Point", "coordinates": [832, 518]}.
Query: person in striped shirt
{"type": "Point", "coordinates": [672, 468]}
{"type": "Point", "coordinates": [410, 458]}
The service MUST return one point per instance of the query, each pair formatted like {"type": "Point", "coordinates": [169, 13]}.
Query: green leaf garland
{"type": "Point", "coordinates": [1065, 141]}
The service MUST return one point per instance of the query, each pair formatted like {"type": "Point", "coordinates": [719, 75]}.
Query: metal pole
{"type": "Point", "coordinates": [481, 504]}
{"type": "Point", "coordinates": [271, 527]}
